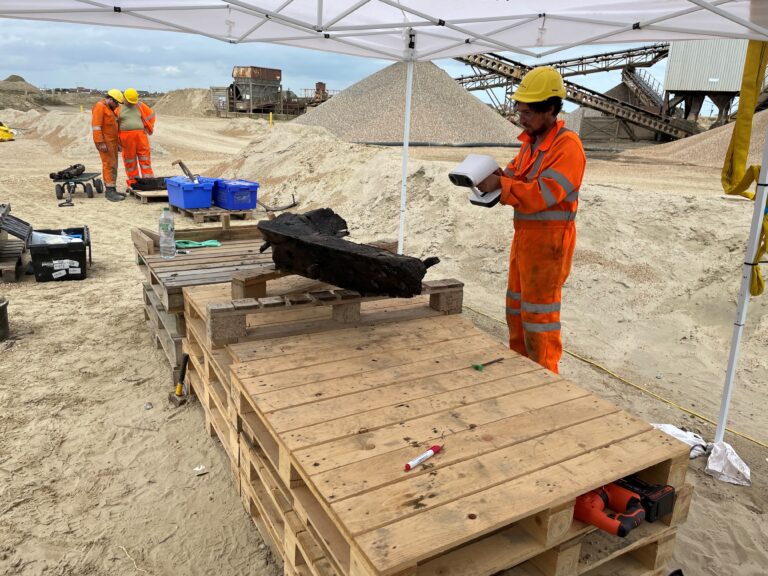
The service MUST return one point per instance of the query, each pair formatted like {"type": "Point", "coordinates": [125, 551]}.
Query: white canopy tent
{"type": "Point", "coordinates": [411, 30]}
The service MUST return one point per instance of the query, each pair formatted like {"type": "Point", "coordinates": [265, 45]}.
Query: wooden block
{"type": "Point", "coordinates": [347, 294]}
{"type": "Point", "coordinates": [346, 313]}
{"type": "Point", "coordinates": [562, 560]}
{"type": "Point", "coordinates": [296, 299]}
{"type": "Point", "coordinates": [447, 302]}
{"type": "Point", "coordinates": [241, 289]}
{"type": "Point", "coordinates": [550, 525]}
{"type": "Point", "coordinates": [246, 304]}
{"type": "Point", "coordinates": [144, 244]}
{"type": "Point", "coordinates": [272, 302]}
{"type": "Point", "coordinates": [683, 497]}
{"type": "Point", "coordinates": [656, 555]}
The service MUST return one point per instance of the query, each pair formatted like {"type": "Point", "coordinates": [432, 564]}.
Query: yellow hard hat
{"type": "Point", "coordinates": [131, 96]}
{"type": "Point", "coordinates": [116, 94]}
{"type": "Point", "coordinates": [539, 85]}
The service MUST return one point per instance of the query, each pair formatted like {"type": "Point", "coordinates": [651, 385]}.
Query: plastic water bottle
{"type": "Point", "coordinates": [167, 240]}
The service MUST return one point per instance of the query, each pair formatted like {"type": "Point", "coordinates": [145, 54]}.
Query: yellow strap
{"type": "Point", "coordinates": [737, 177]}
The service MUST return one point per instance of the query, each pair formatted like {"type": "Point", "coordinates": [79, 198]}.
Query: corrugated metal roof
{"type": "Point", "coordinates": [705, 65]}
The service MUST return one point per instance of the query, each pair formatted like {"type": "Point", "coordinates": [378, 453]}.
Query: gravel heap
{"type": "Point", "coordinates": [442, 112]}
{"type": "Point", "coordinates": [195, 102]}
{"type": "Point", "coordinates": [708, 148]}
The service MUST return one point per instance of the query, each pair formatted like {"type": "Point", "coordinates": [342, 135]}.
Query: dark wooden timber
{"type": "Point", "coordinates": [311, 245]}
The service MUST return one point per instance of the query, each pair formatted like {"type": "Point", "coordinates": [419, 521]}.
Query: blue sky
{"type": "Point", "coordinates": [67, 55]}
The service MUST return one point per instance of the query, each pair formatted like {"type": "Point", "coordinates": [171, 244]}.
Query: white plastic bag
{"type": "Point", "coordinates": [698, 445]}
{"type": "Point", "coordinates": [724, 464]}
{"type": "Point", "coordinates": [43, 238]}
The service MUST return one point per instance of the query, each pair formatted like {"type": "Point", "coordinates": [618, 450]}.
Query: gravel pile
{"type": "Point", "coordinates": [442, 111]}
{"type": "Point", "coordinates": [194, 102]}
{"type": "Point", "coordinates": [708, 148]}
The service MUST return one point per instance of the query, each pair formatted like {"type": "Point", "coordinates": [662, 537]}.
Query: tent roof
{"type": "Point", "coordinates": [438, 28]}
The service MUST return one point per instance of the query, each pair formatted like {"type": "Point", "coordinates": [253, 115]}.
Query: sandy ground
{"type": "Point", "coordinates": [94, 483]}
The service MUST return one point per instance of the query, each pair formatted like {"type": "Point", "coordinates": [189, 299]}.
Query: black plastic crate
{"type": "Point", "coordinates": [61, 261]}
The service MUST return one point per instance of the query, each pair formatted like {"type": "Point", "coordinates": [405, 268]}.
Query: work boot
{"type": "Point", "coordinates": [112, 195]}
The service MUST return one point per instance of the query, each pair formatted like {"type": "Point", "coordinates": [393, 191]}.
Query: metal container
{"type": "Point", "coordinates": [257, 73]}
{"type": "Point", "coordinates": [5, 329]}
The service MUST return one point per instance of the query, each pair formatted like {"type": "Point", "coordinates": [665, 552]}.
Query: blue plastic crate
{"type": "Point", "coordinates": [184, 193]}
{"type": "Point", "coordinates": [235, 194]}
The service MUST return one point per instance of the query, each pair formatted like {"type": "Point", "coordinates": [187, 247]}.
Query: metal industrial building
{"type": "Point", "coordinates": [700, 69]}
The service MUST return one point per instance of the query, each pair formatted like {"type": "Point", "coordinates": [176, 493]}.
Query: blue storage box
{"type": "Point", "coordinates": [235, 194]}
{"type": "Point", "coordinates": [184, 193]}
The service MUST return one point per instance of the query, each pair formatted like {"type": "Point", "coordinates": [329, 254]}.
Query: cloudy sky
{"type": "Point", "coordinates": [67, 55]}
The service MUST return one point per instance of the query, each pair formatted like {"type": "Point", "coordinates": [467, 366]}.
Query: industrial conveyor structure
{"type": "Point", "coordinates": [494, 71]}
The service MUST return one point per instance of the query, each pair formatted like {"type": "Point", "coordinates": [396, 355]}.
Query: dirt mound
{"type": "Point", "coordinates": [15, 78]}
{"type": "Point", "coordinates": [441, 112]}
{"type": "Point", "coordinates": [194, 102]}
{"type": "Point", "coordinates": [708, 148]}
{"type": "Point", "coordinates": [68, 134]}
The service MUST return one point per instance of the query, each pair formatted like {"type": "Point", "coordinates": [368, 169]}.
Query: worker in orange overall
{"type": "Point", "coordinates": [542, 185]}
{"type": "Point", "coordinates": [104, 124]}
{"type": "Point", "coordinates": [137, 122]}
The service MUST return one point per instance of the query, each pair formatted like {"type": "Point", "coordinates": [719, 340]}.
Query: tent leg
{"type": "Point", "coordinates": [406, 140]}
{"type": "Point", "coordinates": [741, 310]}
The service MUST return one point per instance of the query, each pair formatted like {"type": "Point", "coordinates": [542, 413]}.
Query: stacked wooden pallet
{"type": "Point", "coordinates": [214, 213]}
{"type": "Point", "coordinates": [165, 279]}
{"type": "Point", "coordinates": [320, 397]}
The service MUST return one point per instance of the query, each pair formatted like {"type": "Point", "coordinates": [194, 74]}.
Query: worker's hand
{"type": "Point", "coordinates": [101, 146]}
{"type": "Point", "coordinates": [490, 184]}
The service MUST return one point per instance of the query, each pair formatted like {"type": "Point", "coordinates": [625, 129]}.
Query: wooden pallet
{"type": "Point", "coordinates": [322, 423]}
{"type": "Point", "coordinates": [146, 196]}
{"type": "Point", "coordinates": [200, 267]}
{"type": "Point", "coordinates": [168, 329]}
{"type": "Point", "coordinates": [214, 213]}
{"type": "Point", "coordinates": [11, 259]}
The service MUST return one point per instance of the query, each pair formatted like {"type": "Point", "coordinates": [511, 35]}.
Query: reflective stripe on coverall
{"type": "Point", "coordinates": [543, 187]}
{"type": "Point", "coordinates": [137, 157]}
{"type": "Point", "coordinates": [104, 128]}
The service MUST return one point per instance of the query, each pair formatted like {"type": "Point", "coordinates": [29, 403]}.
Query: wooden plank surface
{"type": "Point", "coordinates": [351, 407]}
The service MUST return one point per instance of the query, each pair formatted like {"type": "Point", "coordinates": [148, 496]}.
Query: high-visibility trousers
{"type": "Point", "coordinates": [136, 156]}
{"type": "Point", "coordinates": [539, 264]}
{"type": "Point", "coordinates": [109, 163]}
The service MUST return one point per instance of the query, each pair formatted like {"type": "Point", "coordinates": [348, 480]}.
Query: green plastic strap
{"type": "Point", "coordinates": [193, 244]}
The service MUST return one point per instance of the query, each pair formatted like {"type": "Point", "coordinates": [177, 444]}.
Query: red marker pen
{"type": "Point", "coordinates": [418, 460]}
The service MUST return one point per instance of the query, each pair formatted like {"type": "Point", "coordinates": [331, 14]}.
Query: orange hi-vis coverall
{"type": "Point", "coordinates": [543, 187]}
{"type": "Point", "coordinates": [135, 142]}
{"type": "Point", "coordinates": [104, 127]}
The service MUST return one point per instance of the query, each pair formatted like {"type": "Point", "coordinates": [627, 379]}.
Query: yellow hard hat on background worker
{"type": "Point", "coordinates": [116, 95]}
{"type": "Point", "coordinates": [539, 85]}
{"type": "Point", "coordinates": [131, 96]}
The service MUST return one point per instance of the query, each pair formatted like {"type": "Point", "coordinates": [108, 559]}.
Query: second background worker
{"type": "Point", "coordinates": [137, 123]}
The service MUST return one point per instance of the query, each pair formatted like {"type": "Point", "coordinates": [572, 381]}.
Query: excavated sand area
{"type": "Point", "coordinates": [93, 483]}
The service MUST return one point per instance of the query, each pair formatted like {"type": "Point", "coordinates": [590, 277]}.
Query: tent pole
{"type": "Point", "coordinates": [406, 140]}
{"type": "Point", "coordinates": [741, 310]}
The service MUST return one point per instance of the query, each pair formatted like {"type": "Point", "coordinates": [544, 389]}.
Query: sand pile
{"type": "Point", "coordinates": [18, 94]}
{"type": "Point", "coordinates": [442, 111]}
{"type": "Point", "coordinates": [68, 134]}
{"type": "Point", "coordinates": [193, 102]}
{"type": "Point", "coordinates": [708, 148]}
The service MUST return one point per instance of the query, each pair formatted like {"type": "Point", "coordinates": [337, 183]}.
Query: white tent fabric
{"type": "Point", "coordinates": [438, 28]}
{"type": "Point", "coordinates": [432, 29]}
